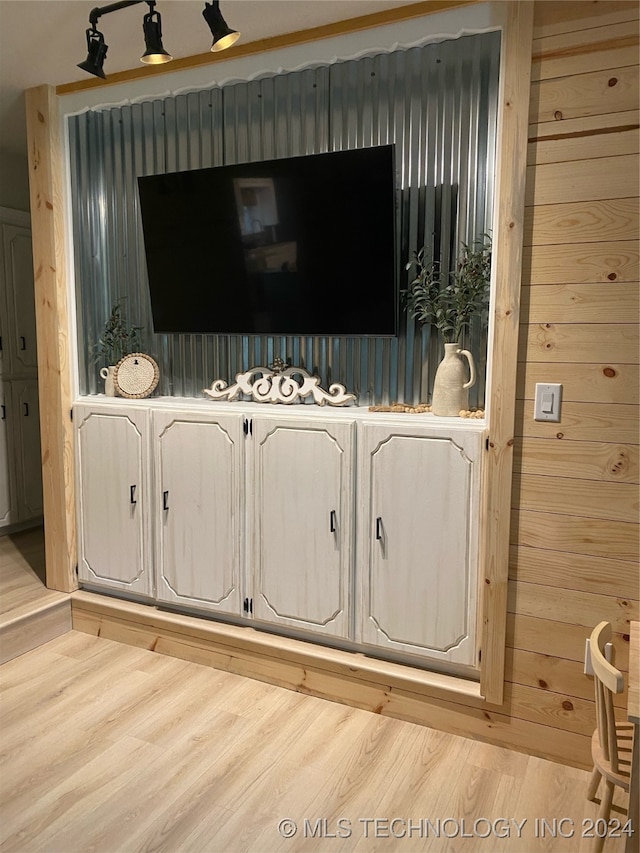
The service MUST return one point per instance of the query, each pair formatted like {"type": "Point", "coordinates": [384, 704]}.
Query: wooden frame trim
{"type": "Point", "coordinates": [53, 335]}
{"type": "Point", "coordinates": [54, 347]}
{"type": "Point", "coordinates": [237, 641]}
{"type": "Point", "coordinates": [508, 234]}
{"type": "Point", "coordinates": [339, 28]}
{"type": "Point", "coordinates": [351, 678]}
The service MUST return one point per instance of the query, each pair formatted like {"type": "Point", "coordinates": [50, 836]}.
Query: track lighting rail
{"type": "Point", "coordinates": [99, 11]}
{"type": "Point", "coordinates": [155, 54]}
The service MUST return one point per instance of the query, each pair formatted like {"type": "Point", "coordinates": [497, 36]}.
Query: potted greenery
{"type": "Point", "coordinates": [449, 301]}
{"type": "Point", "coordinates": [117, 340]}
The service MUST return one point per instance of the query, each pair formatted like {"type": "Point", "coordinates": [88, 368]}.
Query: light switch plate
{"type": "Point", "coordinates": [548, 402]}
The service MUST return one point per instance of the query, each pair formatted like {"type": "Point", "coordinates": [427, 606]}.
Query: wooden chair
{"type": "Point", "coordinates": [611, 742]}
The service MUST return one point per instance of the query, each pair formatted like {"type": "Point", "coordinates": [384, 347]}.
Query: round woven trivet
{"type": "Point", "coordinates": [136, 375]}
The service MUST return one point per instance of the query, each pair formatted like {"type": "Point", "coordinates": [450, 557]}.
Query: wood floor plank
{"type": "Point", "coordinates": [19, 675]}
{"type": "Point", "coordinates": [126, 766]}
{"type": "Point", "coordinates": [30, 822]}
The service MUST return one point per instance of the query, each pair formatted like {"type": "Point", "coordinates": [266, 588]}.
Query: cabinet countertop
{"type": "Point", "coordinates": [425, 419]}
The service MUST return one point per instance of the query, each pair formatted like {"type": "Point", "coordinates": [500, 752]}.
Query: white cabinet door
{"type": "Point", "coordinates": [8, 508]}
{"type": "Point", "coordinates": [20, 458]}
{"type": "Point", "coordinates": [418, 532]}
{"type": "Point", "coordinates": [18, 270]}
{"type": "Point", "coordinates": [113, 491]}
{"type": "Point", "coordinates": [302, 522]}
{"type": "Point", "coordinates": [29, 466]}
{"type": "Point", "coordinates": [198, 508]}
{"type": "Point", "coordinates": [5, 329]}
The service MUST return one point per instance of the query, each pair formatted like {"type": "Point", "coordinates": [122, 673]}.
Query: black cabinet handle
{"type": "Point", "coordinates": [132, 494]}
{"type": "Point", "coordinates": [23, 342]}
{"type": "Point", "coordinates": [332, 521]}
{"type": "Point", "coordinates": [379, 528]}
{"type": "Point", "coordinates": [26, 410]}
{"type": "Point", "coordinates": [165, 500]}
{"type": "Point", "coordinates": [4, 412]}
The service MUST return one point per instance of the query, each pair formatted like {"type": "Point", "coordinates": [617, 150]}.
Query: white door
{"type": "Point", "coordinates": [112, 485]}
{"type": "Point", "coordinates": [8, 513]}
{"type": "Point", "coordinates": [29, 467]}
{"type": "Point", "coordinates": [302, 523]}
{"type": "Point", "coordinates": [18, 264]}
{"type": "Point", "coordinates": [198, 508]}
{"type": "Point", "coordinates": [418, 530]}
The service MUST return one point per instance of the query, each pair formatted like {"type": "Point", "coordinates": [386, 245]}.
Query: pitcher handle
{"type": "Point", "coordinates": [104, 372]}
{"type": "Point", "coordinates": [472, 368]}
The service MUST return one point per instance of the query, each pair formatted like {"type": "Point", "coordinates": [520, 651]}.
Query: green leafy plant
{"type": "Point", "coordinates": [117, 339]}
{"type": "Point", "coordinates": [450, 300]}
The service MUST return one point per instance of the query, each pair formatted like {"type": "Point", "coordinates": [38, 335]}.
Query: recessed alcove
{"type": "Point", "coordinates": [509, 172]}
{"type": "Point", "coordinates": [436, 102]}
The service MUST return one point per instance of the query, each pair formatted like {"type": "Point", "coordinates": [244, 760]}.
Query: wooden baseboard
{"type": "Point", "coordinates": [426, 698]}
{"type": "Point", "coordinates": [28, 627]}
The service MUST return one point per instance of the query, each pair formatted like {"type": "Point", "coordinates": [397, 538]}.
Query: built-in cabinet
{"type": "Point", "coordinates": [301, 483]}
{"type": "Point", "coordinates": [20, 464]}
{"type": "Point", "coordinates": [419, 535]}
{"type": "Point", "coordinates": [198, 509]}
{"type": "Point", "coordinates": [345, 524]}
{"type": "Point", "coordinates": [114, 492]}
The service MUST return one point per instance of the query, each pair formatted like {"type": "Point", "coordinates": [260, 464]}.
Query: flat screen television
{"type": "Point", "coordinates": [295, 246]}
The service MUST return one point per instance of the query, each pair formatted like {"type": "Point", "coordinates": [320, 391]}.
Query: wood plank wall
{"type": "Point", "coordinates": [574, 536]}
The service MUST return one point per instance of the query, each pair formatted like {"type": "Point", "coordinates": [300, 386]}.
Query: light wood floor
{"type": "Point", "coordinates": [109, 748]}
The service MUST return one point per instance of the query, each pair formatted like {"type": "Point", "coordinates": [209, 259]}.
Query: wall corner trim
{"type": "Point", "coordinates": [53, 334]}
{"type": "Point", "coordinates": [515, 76]}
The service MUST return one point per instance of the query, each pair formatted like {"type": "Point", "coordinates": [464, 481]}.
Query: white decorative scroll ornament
{"type": "Point", "coordinates": [277, 385]}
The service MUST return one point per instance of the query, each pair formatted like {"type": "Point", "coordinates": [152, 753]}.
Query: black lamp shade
{"type": "Point", "coordinates": [155, 54]}
{"type": "Point", "coordinates": [96, 54]}
{"type": "Point", "coordinates": [223, 35]}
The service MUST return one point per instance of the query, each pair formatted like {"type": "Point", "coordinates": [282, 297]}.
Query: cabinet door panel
{"type": "Point", "coordinates": [112, 494]}
{"type": "Point", "coordinates": [8, 513]}
{"type": "Point", "coordinates": [419, 529]}
{"type": "Point", "coordinates": [27, 416]}
{"type": "Point", "coordinates": [303, 524]}
{"type": "Point", "coordinates": [5, 363]}
{"type": "Point", "coordinates": [18, 259]}
{"type": "Point", "coordinates": [198, 509]}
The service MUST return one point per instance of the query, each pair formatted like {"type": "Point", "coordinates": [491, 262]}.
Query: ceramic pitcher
{"type": "Point", "coordinates": [451, 387]}
{"type": "Point", "coordinates": [107, 374]}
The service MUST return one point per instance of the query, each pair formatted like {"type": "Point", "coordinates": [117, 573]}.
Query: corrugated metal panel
{"type": "Point", "coordinates": [436, 103]}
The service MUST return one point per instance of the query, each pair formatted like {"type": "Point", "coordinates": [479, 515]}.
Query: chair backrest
{"type": "Point", "coordinates": [608, 680]}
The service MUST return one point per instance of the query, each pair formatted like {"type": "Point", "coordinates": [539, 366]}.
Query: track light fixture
{"type": "Point", "coordinates": [96, 54]}
{"type": "Point", "coordinates": [155, 54]}
{"type": "Point", "coordinates": [223, 35]}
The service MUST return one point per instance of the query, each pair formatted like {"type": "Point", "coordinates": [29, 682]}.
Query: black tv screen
{"type": "Point", "coordinates": [295, 246]}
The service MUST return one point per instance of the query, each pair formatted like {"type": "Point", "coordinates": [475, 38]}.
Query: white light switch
{"type": "Point", "coordinates": [548, 399]}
